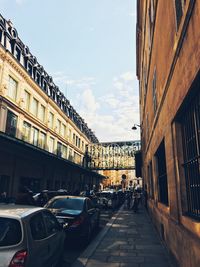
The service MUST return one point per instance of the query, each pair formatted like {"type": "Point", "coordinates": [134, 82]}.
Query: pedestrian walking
{"type": "Point", "coordinates": [136, 200]}
{"type": "Point", "coordinates": [127, 199]}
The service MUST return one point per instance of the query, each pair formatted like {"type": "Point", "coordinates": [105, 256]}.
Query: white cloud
{"type": "Point", "coordinates": [110, 115]}
{"type": "Point", "coordinates": [128, 76]}
{"type": "Point", "coordinates": [19, 2]}
{"type": "Point", "coordinates": [63, 79]}
{"type": "Point", "coordinates": [89, 103]}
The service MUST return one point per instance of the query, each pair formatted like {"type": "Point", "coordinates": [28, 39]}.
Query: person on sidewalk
{"type": "Point", "coordinates": [127, 199]}
{"type": "Point", "coordinates": [136, 200]}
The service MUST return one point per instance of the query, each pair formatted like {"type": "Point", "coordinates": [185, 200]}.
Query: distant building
{"type": "Point", "coordinates": [42, 138]}
{"type": "Point", "coordinates": [168, 69]}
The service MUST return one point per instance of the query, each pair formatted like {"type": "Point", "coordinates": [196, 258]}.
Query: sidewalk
{"type": "Point", "coordinates": [128, 240]}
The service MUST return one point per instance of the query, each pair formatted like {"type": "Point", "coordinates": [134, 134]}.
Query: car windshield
{"type": "Point", "coordinates": [10, 232]}
{"type": "Point", "coordinates": [67, 203]}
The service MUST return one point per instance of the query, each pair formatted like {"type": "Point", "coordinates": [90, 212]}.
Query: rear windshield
{"type": "Point", "coordinates": [67, 203]}
{"type": "Point", "coordinates": [10, 232]}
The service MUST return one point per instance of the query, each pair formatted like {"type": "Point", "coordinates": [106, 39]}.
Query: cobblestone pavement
{"type": "Point", "coordinates": [128, 240]}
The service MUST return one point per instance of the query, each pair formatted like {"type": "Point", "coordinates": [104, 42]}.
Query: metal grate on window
{"type": "Point", "coordinates": [162, 174]}
{"type": "Point", "coordinates": [191, 148]}
{"type": "Point", "coordinates": [179, 11]}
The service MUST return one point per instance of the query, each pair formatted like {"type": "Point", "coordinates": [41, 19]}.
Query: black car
{"type": "Point", "coordinates": [78, 215]}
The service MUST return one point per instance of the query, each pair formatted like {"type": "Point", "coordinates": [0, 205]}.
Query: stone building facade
{"type": "Point", "coordinates": [42, 138]}
{"type": "Point", "coordinates": [168, 60]}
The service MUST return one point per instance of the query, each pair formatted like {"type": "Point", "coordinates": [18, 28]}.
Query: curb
{"type": "Point", "coordinates": [87, 253]}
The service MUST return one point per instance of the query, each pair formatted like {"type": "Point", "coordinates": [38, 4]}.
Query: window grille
{"type": "Point", "coordinates": [179, 12]}
{"type": "Point", "coordinates": [162, 174]}
{"type": "Point", "coordinates": [151, 186]}
{"type": "Point", "coordinates": [191, 148]}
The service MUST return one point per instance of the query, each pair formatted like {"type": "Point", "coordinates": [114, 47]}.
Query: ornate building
{"type": "Point", "coordinates": [168, 60]}
{"type": "Point", "coordinates": [42, 137]}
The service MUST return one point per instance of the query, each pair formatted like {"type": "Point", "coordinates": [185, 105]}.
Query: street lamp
{"type": "Point", "coordinates": [135, 126]}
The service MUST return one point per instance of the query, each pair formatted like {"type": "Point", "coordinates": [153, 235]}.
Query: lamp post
{"type": "Point", "coordinates": [135, 126]}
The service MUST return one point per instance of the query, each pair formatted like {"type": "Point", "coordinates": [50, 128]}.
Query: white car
{"type": "Point", "coordinates": [29, 237]}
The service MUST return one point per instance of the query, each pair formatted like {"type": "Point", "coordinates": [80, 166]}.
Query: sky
{"type": "Point", "coordinates": [89, 48]}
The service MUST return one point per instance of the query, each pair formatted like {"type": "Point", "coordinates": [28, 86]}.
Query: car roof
{"type": "Point", "coordinates": [17, 211]}
{"type": "Point", "coordinates": [72, 197]}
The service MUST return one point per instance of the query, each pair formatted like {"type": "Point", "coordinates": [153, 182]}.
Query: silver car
{"type": "Point", "coordinates": [29, 237]}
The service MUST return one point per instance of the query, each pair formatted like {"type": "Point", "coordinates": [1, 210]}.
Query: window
{"type": "Point", "coordinates": [147, 126]}
{"type": "Point", "coordinates": [17, 53]}
{"type": "Point", "coordinates": [70, 134]}
{"type": "Point", "coordinates": [35, 136]}
{"type": "Point", "coordinates": [82, 146]}
{"type": "Point", "coordinates": [11, 124]}
{"type": "Point", "coordinates": [151, 21]}
{"type": "Point", "coordinates": [26, 100]}
{"type": "Point", "coordinates": [79, 142]}
{"type": "Point", "coordinates": [74, 139]}
{"type": "Point", "coordinates": [10, 232]}
{"type": "Point", "coordinates": [35, 107]}
{"type": "Point", "coordinates": [37, 227]}
{"type": "Point", "coordinates": [77, 158]}
{"type": "Point", "coordinates": [52, 224]}
{"type": "Point", "coordinates": [190, 127]}
{"type": "Point", "coordinates": [70, 154]}
{"type": "Point", "coordinates": [178, 12]}
{"type": "Point", "coordinates": [42, 140]}
{"type": "Point", "coordinates": [150, 176]}
{"type": "Point", "coordinates": [162, 174]}
{"type": "Point", "coordinates": [59, 149]}
{"type": "Point", "coordinates": [42, 113]}
{"type": "Point", "coordinates": [58, 126]}
{"type": "Point", "coordinates": [64, 152]}
{"type": "Point", "coordinates": [63, 130]}
{"type": "Point", "coordinates": [12, 88]}
{"type": "Point", "coordinates": [51, 145]}
{"type": "Point", "coordinates": [26, 131]}
{"type": "Point", "coordinates": [51, 118]}
{"type": "Point", "coordinates": [30, 69]}
{"type": "Point", "coordinates": [154, 92]}
{"type": "Point", "coordinates": [37, 78]}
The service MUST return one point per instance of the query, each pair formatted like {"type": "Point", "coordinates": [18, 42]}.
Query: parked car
{"type": "Point", "coordinates": [102, 200]}
{"type": "Point", "coordinates": [111, 196]}
{"type": "Point", "coordinates": [29, 237]}
{"type": "Point", "coordinates": [78, 214]}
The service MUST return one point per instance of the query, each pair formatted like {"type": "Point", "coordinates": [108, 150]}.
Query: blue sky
{"type": "Point", "coordinates": [88, 47]}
